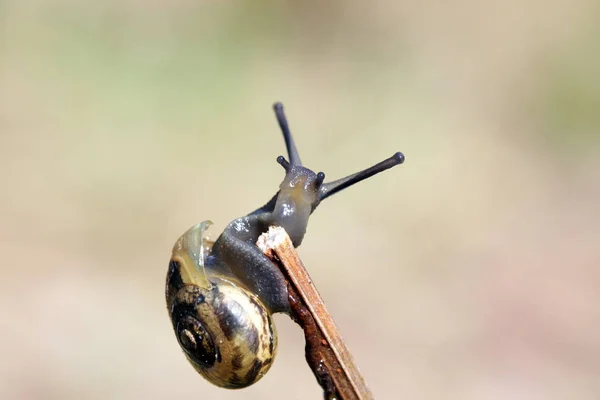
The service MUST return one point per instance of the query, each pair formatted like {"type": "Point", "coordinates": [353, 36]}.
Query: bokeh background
{"type": "Point", "coordinates": [470, 272]}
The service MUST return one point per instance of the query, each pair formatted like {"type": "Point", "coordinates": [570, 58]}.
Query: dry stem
{"type": "Point", "coordinates": [326, 352]}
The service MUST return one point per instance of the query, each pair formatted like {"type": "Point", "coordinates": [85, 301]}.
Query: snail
{"type": "Point", "coordinates": [221, 295]}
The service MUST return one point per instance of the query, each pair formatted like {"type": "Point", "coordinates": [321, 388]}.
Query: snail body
{"type": "Point", "coordinates": [221, 296]}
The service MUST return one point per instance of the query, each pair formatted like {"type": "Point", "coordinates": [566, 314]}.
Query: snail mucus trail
{"type": "Point", "coordinates": [221, 296]}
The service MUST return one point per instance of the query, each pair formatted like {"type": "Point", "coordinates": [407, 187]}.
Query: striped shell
{"type": "Point", "coordinates": [226, 332]}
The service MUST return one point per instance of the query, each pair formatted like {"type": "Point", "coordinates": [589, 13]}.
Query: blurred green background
{"type": "Point", "coordinates": [470, 272]}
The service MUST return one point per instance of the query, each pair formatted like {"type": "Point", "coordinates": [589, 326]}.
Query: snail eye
{"type": "Point", "coordinates": [196, 341]}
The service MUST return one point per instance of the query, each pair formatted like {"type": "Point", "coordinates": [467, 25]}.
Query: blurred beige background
{"type": "Point", "coordinates": [470, 272]}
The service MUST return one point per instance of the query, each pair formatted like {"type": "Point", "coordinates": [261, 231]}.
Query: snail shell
{"type": "Point", "coordinates": [226, 332]}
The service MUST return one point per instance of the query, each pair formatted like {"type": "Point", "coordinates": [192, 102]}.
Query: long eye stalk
{"type": "Point", "coordinates": [328, 189]}
{"type": "Point", "coordinates": [287, 135]}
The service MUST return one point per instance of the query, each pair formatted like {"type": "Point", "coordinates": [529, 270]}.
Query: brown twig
{"type": "Point", "coordinates": [326, 352]}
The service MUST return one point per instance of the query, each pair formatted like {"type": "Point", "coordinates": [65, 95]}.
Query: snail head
{"type": "Point", "coordinates": [302, 190]}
